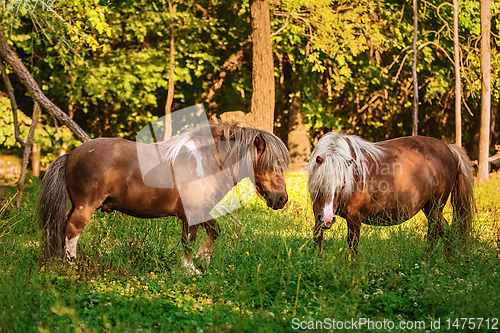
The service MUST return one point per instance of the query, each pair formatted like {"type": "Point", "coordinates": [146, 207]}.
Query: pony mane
{"type": "Point", "coordinates": [275, 157]}
{"type": "Point", "coordinates": [344, 158]}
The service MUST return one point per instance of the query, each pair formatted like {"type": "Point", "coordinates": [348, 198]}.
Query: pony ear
{"type": "Point", "coordinates": [260, 145]}
{"type": "Point", "coordinates": [319, 160]}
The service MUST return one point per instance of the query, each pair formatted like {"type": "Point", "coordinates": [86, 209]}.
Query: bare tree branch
{"type": "Point", "coordinates": [414, 69]}
{"type": "Point", "coordinates": [281, 29]}
{"type": "Point", "coordinates": [27, 152]}
{"type": "Point", "coordinates": [170, 93]}
{"type": "Point", "coordinates": [401, 16]}
{"type": "Point", "coordinates": [397, 58]}
{"type": "Point", "coordinates": [439, 47]}
{"type": "Point", "coordinates": [13, 103]}
{"type": "Point", "coordinates": [401, 66]}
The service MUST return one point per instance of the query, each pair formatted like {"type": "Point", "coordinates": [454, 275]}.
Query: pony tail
{"type": "Point", "coordinates": [462, 195]}
{"type": "Point", "coordinates": [52, 208]}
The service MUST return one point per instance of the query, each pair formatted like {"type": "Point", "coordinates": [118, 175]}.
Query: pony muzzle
{"type": "Point", "coordinates": [276, 200]}
{"type": "Point", "coordinates": [327, 222]}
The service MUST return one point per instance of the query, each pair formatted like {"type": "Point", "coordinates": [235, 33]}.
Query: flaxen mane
{"type": "Point", "coordinates": [344, 157]}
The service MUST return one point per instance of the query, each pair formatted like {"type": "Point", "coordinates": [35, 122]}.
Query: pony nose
{"type": "Point", "coordinates": [269, 203]}
{"type": "Point", "coordinates": [327, 224]}
{"type": "Point", "coordinates": [275, 200]}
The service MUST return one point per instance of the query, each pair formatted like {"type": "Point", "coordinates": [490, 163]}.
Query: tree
{"type": "Point", "coordinates": [338, 65]}
{"type": "Point", "coordinates": [170, 95]}
{"type": "Point", "coordinates": [414, 68]}
{"type": "Point", "coordinates": [484, 137]}
{"type": "Point", "coordinates": [27, 153]}
{"type": "Point", "coordinates": [13, 103]}
{"type": "Point", "coordinates": [35, 91]}
{"type": "Point", "coordinates": [262, 106]}
{"type": "Point", "coordinates": [315, 43]}
{"type": "Point", "coordinates": [33, 88]}
{"type": "Point", "coordinates": [458, 85]}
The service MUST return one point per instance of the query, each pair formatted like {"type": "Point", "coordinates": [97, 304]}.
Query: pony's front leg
{"type": "Point", "coordinates": [205, 251]}
{"type": "Point", "coordinates": [318, 237]}
{"type": "Point", "coordinates": [353, 231]}
{"type": "Point", "coordinates": [188, 240]}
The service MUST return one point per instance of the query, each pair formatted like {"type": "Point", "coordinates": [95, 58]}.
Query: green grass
{"type": "Point", "coordinates": [129, 275]}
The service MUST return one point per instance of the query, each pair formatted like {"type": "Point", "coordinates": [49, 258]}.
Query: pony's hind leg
{"type": "Point", "coordinates": [188, 240]}
{"type": "Point", "coordinates": [205, 251]}
{"type": "Point", "coordinates": [436, 223]}
{"type": "Point", "coordinates": [78, 219]}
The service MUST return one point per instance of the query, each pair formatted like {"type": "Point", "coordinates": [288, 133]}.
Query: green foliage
{"type": "Point", "coordinates": [349, 62]}
{"type": "Point", "coordinates": [117, 79]}
{"type": "Point", "coordinates": [129, 274]}
{"type": "Point", "coordinates": [49, 139]}
{"type": "Point", "coordinates": [355, 71]}
{"type": "Point", "coordinates": [7, 138]}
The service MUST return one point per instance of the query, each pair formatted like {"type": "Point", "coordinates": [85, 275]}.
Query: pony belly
{"type": "Point", "coordinates": [385, 219]}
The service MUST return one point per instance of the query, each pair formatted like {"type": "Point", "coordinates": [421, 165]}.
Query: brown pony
{"type": "Point", "coordinates": [387, 183]}
{"type": "Point", "coordinates": [106, 174]}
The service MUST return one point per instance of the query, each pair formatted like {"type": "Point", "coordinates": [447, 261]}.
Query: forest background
{"type": "Point", "coordinates": [341, 65]}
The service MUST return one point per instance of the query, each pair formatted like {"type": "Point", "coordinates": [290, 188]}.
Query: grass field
{"type": "Point", "coordinates": [129, 275]}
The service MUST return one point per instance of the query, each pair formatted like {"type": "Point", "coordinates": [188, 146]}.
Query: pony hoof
{"type": "Point", "coordinates": [194, 271]}
{"type": "Point", "coordinates": [191, 269]}
{"type": "Point", "coordinates": [70, 260]}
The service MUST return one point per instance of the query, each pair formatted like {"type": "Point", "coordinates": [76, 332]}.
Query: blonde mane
{"type": "Point", "coordinates": [344, 157]}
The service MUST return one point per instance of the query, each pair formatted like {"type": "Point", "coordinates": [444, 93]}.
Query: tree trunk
{"type": "Point", "coordinates": [262, 104]}
{"type": "Point", "coordinates": [35, 160]}
{"type": "Point", "coordinates": [472, 145]}
{"type": "Point", "coordinates": [493, 124]}
{"type": "Point", "coordinates": [35, 92]}
{"type": "Point", "coordinates": [27, 152]}
{"type": "Point", "coordinates": [299, 144]}
{"type": "Point", "coordinates": [414, 69]}
{"type": "Point", "coordinates": [458, 85]}
{"type": "Point", "coordinates": [170, 94]}
{"type": "Point", "coordinates": [485, 91]}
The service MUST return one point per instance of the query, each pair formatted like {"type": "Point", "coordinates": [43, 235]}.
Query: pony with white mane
{"type": "Point", "coordinates": [387, 183]}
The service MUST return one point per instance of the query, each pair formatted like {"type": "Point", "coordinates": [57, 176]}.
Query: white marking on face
{"type": "Point", "coordinates": [328, 212]}
{"type": "Point", "coordinates": [81, 207]}
{"type": "Point", "coordinates": [199, 166]}
{"type": "Point", "coordinates": [70, 248]}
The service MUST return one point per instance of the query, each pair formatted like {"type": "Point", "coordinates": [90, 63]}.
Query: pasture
{"type": "Point", "coordinates": [128, 275]}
